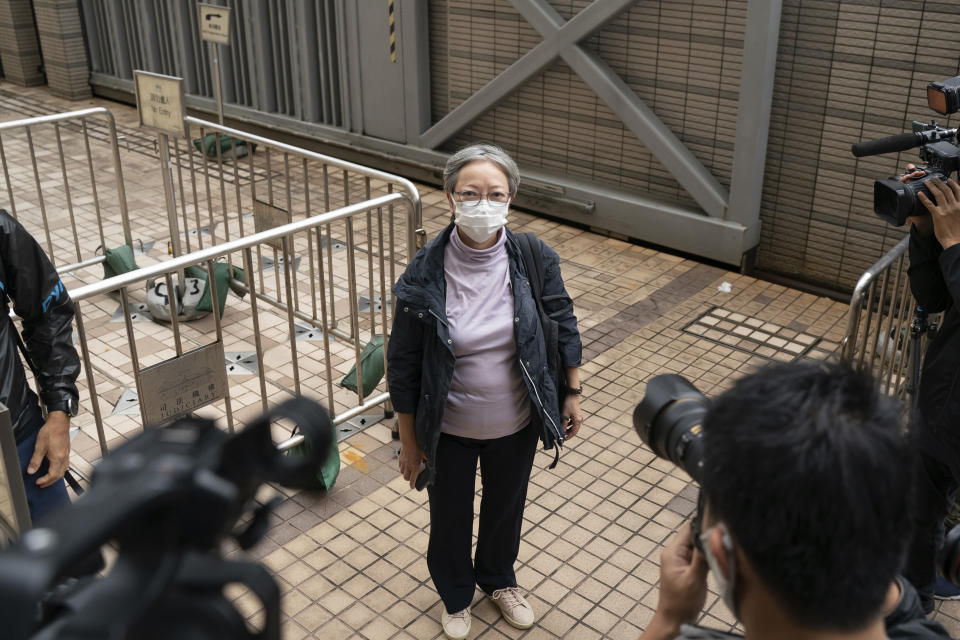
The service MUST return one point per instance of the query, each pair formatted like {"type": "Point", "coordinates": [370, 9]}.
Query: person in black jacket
{"type": "Point", "coordinates": [807, 483]}
{"type": "Point", "coordinates": [30, 282]}
{"type": "Point", "coordinates": [935, 281]}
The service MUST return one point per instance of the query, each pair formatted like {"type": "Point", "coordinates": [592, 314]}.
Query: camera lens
{"type": "Point", "coordinates": [669, 420]}
{"type": "Point", "coordinates": [895, 201]}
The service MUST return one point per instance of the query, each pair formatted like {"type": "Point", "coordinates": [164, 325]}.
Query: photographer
{"type": "Point", "coordinates": [935, 281]}
{"type": "Point", "coordinates": [806, 502]}
{"type": "Point", "coordinates": [30, 282]}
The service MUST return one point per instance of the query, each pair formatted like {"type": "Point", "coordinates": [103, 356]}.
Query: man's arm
{"type": "Point", "coordinates": [683, 587]}
{"type": "Point", "coordinates": [936, 280]}
{"type": "Point", "coordinates": [926, 278]}
{"type": "Point", "coordinates": [41, 301]}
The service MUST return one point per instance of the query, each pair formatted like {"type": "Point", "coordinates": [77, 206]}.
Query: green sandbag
{"type": "Point", "coordinates": [329, 470]}
{"type": "Point", "coordinates": [119, 260]}
{"type": "Point", "coordinates": [207, 145]}
{"type": "Point", "coordinates": [371, 362]}
{"type": "Point", "coordinates": [221, 272]}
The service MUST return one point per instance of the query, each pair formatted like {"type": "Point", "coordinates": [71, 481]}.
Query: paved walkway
{"type": "Point", "coordinates": [351, 563]}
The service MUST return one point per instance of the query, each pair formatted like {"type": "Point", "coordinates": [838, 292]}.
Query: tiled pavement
{"type": "Point", "coordinates": [351, 562]}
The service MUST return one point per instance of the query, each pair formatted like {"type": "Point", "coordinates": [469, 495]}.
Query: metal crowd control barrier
{"type": "Point", "coordinates": [277, 184]}
{"type": "Point", "coordinates": [190, 379]}
{"type": "Point", "coordinates": [69, 195]}
{"type": "Point", "coordinates": [879, 321]}
{"type": "Point", "coordinates": [14, 512]}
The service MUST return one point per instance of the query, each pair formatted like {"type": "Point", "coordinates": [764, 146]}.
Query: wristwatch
{"type": "Point", "coordinates": [575, 392]}
{"type": "Point", "coordinates": [66, 403]}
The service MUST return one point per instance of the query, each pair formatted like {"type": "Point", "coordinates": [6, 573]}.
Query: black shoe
{"type": "Point", "coordinates": [943, 589]}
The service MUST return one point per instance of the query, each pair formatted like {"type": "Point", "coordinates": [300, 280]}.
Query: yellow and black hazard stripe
{"type": "Point", "coordinates": [393, 33]}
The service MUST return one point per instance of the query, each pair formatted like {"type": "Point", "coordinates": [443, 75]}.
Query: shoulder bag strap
{"type": "Point", "coordinates": [534, 263]}
{"type": "Point", "coordinates": [533, 260]}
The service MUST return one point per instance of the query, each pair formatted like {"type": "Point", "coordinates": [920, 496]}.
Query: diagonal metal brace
{"type": "Point", "coordinates": [562, 39]}
{"type": "Point", "coordinates": [582, 26]}
{"type": "Point", "coordinates": [635, 114]}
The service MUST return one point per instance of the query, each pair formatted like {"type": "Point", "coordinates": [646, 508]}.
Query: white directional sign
{"type": "Point", "coordinates": [214, 23]}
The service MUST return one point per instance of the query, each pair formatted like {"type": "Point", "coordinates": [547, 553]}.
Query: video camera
{"type": "Point", "coordinates": [895, 201]}
{"type": "Point", "coordinates": [167, 498]}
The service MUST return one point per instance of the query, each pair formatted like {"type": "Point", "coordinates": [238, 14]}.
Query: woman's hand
{"type": "Point", "coordinates": [410, 458]}
{"type": "Point", "coordinates": [572, 416]}
{"type": "Point", "coordinates": [410, 455]}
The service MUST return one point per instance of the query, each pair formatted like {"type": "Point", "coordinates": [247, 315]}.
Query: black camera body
{"type": "Point", "coordinates": [166, 499]}
{"type": "Point", "coordinates": [895, 201]}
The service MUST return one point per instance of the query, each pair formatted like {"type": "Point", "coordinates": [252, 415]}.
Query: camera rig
{"type": "Point", "coordinates": [895, 201]}
{"type": "Point", "coordinates": [167, 498]}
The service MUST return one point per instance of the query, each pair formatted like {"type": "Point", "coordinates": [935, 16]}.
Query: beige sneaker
{"type": "Point", "coordinates": [456, 626]}
{"type": "Point", "coordinates": [514, 607]}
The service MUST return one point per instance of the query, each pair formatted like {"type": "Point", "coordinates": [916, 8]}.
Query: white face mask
{"type": "Point", "coordinates": [727, 585]}
{"type": "Point", "coordinates": [481, 221]}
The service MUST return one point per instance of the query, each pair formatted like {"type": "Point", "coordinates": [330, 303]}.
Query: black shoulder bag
{"type": "Point", "coordinates": [533, 259]}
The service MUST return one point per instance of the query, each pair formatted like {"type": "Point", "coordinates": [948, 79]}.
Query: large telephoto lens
{"type": "Point", "coordinates": [669, 420]}
{"type": "Point", "coordinates": [895, 201]}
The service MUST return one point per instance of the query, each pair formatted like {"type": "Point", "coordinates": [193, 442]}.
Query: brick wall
{"type": "Point", "coordinates": [19, 47]}
{"type": "Point", "coordinates": [64, 54]}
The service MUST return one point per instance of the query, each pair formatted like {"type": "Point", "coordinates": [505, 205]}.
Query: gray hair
{"type": "Point", "coordinates": [474, 152]}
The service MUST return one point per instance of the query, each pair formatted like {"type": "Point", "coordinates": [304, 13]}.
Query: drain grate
{"type": "Point", "coordinates": [266, 264]}
{"type": "Point", "coordinates": [356, 425]}
{"type": "Point", "coordinates": [241, 363]}
{"type": "Point", "coordinates": [138, 313]}
{"type": "Point", "coordinates": [363, 304]}
{"type": "Point", "coordinates": [765, 339]}
{"type": "Point", "coordinates": [205, 229]}
{"type": "Point", "coordinates": [307, 332]}
{"type": "Point", "coordinates": [127, 405]}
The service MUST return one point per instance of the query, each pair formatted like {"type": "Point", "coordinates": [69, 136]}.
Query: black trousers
{"type": "Point", "coordinates": [505, 465]}
{"type": "Point", "coordinates": [936, 486]}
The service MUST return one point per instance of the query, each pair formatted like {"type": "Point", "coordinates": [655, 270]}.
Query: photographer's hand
{"type": "Point", "coordinates": [683, 587]}
{"type": "Point", "coordinates": [922, 224]}
{"type": "Point", "coordinates": [945, 212]}
{"type": "Point", "coordinates": [53, 443]}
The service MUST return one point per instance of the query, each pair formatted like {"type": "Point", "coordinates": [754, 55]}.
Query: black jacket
{"type": "Point", "coordinates": [935, 282]}
{"type": "Point", "coordinates": [29, 280]}
{"type": "Point", "coordinates": [906, 621]}
{"type": "Point", "coordinates": [420, 356]}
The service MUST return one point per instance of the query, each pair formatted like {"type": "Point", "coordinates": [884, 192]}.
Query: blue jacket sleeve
{"type": "Point", "coordinates": [559, 305]}
{"type": "Point", "coordinates": [404, 359]}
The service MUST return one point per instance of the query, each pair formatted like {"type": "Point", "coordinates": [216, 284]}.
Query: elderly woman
{"type": "Point", "coordinates": [469, 380]}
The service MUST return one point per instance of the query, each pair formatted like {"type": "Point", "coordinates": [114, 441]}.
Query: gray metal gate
{"type": "Point", "coordinates": [284, 56]}
{"type": "Point", "coordinates": [70, 187]}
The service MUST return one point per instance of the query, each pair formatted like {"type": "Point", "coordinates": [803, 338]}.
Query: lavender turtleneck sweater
{"type": "Point", "coordinates": [487, 398]}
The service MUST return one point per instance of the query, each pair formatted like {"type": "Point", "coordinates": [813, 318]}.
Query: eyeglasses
{"type": "Point", "coordinates": [473, 198]}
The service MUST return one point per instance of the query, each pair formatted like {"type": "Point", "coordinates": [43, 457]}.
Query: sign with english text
{"type": "Point", "coordinates": [160, 103]}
